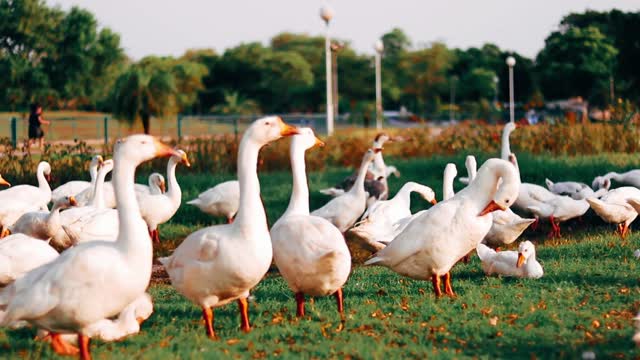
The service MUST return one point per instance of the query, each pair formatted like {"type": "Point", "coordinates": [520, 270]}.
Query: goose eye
{"type": "Point", "coordinates": [267, 123]}
{"type": "Point", "coordinates": [507, 201]}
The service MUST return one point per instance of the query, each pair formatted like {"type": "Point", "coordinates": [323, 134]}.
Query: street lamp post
{"type": "Point", "coordinates": [326, 13]}
{"type": "Point", "coordinates": [379, 48]}
{"type": "Point", "coordinates": [511, 62]}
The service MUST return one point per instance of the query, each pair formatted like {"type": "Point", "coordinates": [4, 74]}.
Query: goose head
{"type": "Point", "coordinates": [107, 166]}
{"type": "Point", "coordinates": [471, 165]}
{"type": "Point", "coordinates": [96, 161]}
{"type": "Point", "coordinates": [157, 180]}
{"type": "Point", "coordinates": [181, 157]}
{"type": "Point", "coordinates": [45, 168]}
{"type": "Point", "coordinates": [136, 149]}
{"type": "Point", "coordinates": [305, 139]}
{"type": "Point", "coordinates": [269, 129]}
{"type": "Point", "coordinates": [380, 139]}
{"type": "Point", "coordinates": [370, 155]}
{"type": "Point", "coordinates": [491, 172]}
{"type": "Point", "coordinates": [509, 127]}
{"type": "Point", "coordinates": [4, 182]}
{"type": "Point", "coordinates": [600, 182]}
{"type": "Point", "coordinates": [65, 203]}
{"type": "Point", "coordinates": [525, 251]}
{"type": "Point", "coordinates": [428, 194]}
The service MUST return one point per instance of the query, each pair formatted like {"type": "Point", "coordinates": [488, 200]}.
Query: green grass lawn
{"type": "Point", "coordinates": [585, 301]}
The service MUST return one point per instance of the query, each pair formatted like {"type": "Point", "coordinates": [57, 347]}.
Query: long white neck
{"type": "Point", "coordinates": [358, 186]}
{"type": "Point", "coordinates": [93, 172]}
{"type": "Point", "coordinates": [43, 184]}
{"type": "Point", "coordinates": [614, 176]}
{"type": "Point", "coordinates": [251, 211]}
{"type": "Point", "coordinates": [53, 220]}
{"type": "Point", "coordinates": [404, 194]}
{"type": "Point", "coordinates": [133, 237]}
{"type": "Point", "coordinates": [506, 148]}
{"type": "Point", "coordinates": [471, 170]}
{"type": "Point", "coordinates": [299, 202]}
{"type": "Point", "coordinates": [98, 192]}
{"type": "Point", "coordinates": [447, 185]}
{"type": "Point", "coordinates": [174, 193]}
{"type": "Point", "coordinates": [486, 184]}
{"type": "Point", "coordinates": [378, 163]}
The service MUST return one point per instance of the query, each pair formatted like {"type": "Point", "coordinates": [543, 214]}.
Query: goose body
{"type": "Point", "coordinates": [43, 225]}
{"type": "Point", "coordinates": [157, 209]}
{"type": "Point", "coordinates": [220, 264]}
{"type": "Point", "coordinates": [455, 227]}
{"type": "Point", "coordinates": [558, 209]}
{"type": "Point", "coordinates": [521, 263]}
{"type": "Point", "coordinates": [220, 200]}
{"type": "Point", "coordinates": [95, 280]}
{"type": "Point", "coordinates": [309, 251]}
{"type": "Point", "coordinates": [20, 254]}
{"type": "Point", "coordinates": [156, 184]}
{"type": "Point", "coordinates": [343, 211]}
{"type": "Point", "coordinates": [20, 199]}
{"type": "Point", "coordinates": [613, 207]}
{"type": "Point", "coordinates": [73, 188]}
{"type": "Point", "coordinates": [575, 190]}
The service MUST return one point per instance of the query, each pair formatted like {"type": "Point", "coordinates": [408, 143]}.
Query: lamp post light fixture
{"type": "Point", "coordinates": [511, 62]}
{"type": "Point", "coordinates": [379, 48]}
{"type": "Point", "coordinates": [326, 13]}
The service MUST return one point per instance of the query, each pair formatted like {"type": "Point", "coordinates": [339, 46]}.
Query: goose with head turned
{"type": "Point", "coordinates": [20, 199]}
{"type": "Point", "coordinates": [221, 264]}
{"type": "Point", "coordinates": [576, 190]}
{"type": "Point", "coordinates": [379, 219]}
{"type": "Point", "coordinates": [43, 225]}
{"type": "Point", "coordinates": [309, 251]}
{"type": "Point", "coordinates": [505, 150]}
{"type": "Point", "coordinates": [159, 208]}
{"type": "Point", "coordinates": [343, 211]}
{"type": "Point", "coordinates": [456, 226]}
{"type": "Point", "coordinates": [629, 178]}
{"type": "Point", "coordinates": [75, 187]}
{"type": "Point", "coordinates": [613, 208]}
{"type": "Point", "coordinates": [521, 263]}
{"type": "Point", "coordinates": [557, 210]}
{"type": "Point", "coordinates": [95, 280]}
{"type": "Point", "coordinates": [220, 200]}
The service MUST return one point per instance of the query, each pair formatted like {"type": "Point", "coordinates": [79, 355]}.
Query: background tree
{"type": "Point", "coordinates": [576, 62]}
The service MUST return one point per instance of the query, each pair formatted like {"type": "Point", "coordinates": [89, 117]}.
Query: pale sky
{"type": "Point", "coordinates": [163, 27]}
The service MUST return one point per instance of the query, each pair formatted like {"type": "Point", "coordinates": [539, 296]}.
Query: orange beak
{"type": "Point", "coordinates": [4, 182]}
{"type": "Point", "coordinates": [520, 260]}
{"type": "Point", "coordinates": [48, 177]}
{"type": "Point", "coordinates": [491, 207]}
{"type": "Point", "coordinates": [185, 160]}
{"type": "Point", "coordinates": [286, 129]}
{"type": "Point", "coordinates": [319, 143]}
{"type": "Point", "coordinates": [72, 201]}
{"type": "Point", "coordinates": [377, 150]}
{"type": "Point", "coordinates": [433, 201]}
{"type": "Point", "coordinates": [164, 150]}
{"type": "Point", "coordinates": [163, 187]}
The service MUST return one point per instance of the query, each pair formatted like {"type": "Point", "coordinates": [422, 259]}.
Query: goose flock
{"type": "Point", "coordinates": [81, 269]}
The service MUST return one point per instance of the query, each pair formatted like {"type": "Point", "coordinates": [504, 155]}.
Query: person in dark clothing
{"type": "Point", "coordinates": [35, 125]}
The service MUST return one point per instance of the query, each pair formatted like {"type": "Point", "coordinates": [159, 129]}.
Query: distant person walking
{"type": "Point", "coordinates": [35, 125]}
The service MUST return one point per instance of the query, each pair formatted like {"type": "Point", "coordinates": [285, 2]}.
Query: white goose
{"type": "Point", "coordinates": [220, 200]}
{"type": "Point", "coordinates": [95, 280]}
{"type": "Point", "coordinates": [507, 226]}
{"type": "Point", "coordinates": [20, 199]}
{"type": "Point", "coordinates": [156, 186]}
{"type": "Point", "coordinates": [43, 225]}
{"type": "Point", "coordinates": [455, 227]}
{"type": "Point", "coordinates": [20, 254]}
{"type": "Point", "coordinates": [343, 211]}
{"type": "Point", "coordinates": [378, 221]}
{"type": "Point", "coordinates": [630, 178]}
{"type": "Point", "coordinates": [471, 165]}
{"type": "Point", "coordinates": [575, 190]}
{"type": "Point", "coordinates": [159, 208]}
{"type": "Point", "coordinates": [220, 264]}
{"type": "Point", "coordinates": [73, 188]}
{"type": "Point", "coordinates": [521, 263]}
{"type": "Point", "coordinates": [559, 209]}
{"type": "Point", "coordinates": [94, 221]}
{"type": "Point", "coordinates": [613, 208]}
{"type": "Point", "coordinates": [309, 251]}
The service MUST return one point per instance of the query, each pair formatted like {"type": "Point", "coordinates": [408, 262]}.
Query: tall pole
{"type": "Point", "coordinates": [326, 13]}
{"type": "Point", "coordinates": [511, 62]}
{"type": "Point", "coordinates": [335, 49]}
{"type": "Point", "coordinates": [379, 47]}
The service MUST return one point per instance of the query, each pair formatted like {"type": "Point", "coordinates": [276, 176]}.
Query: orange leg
{"type": "Point", "coordinates": [243, 304]}
{"type": "Point", "coordinates": [230, 220]}
{"type": "Point", "coordinates": [5, 232]}
{"type": "Point", "coordinates": [447, 285]}
{"type": "Point", "coordinates": [62, 347]}
{"type": "Point", "coordinates": [207, 314]}
{"type": "Point", "coordinates": [300, 304]}
{"type": "Point", "coordinates": [555, 228]}
{"type": "Point", "coordinates": [435, 279]}
{"type": "Point", "coordinates": [534, 225]}
{"type": "Point", "coordinates": [624, 231]}
{"type": "Point", "coordinates": [83, 341]}
{"type": "Point", "coordinates": [339, 301]}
